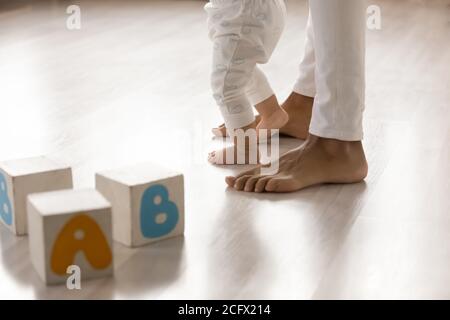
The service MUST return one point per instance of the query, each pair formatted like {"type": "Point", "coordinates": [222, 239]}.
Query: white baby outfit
{"type": "Point", "coordinates": [244, 34]}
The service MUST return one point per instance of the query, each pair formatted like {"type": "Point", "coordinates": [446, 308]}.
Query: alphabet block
{"type": "Point", "coordinates": [67, 228]}
{"type": "Point", "coordinates": [147, 203]}
{"type": "Point", "coordinates": [19, 178]}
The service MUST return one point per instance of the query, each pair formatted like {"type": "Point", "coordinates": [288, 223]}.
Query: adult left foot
{"type": "Point", "coordinates": [318, 160]}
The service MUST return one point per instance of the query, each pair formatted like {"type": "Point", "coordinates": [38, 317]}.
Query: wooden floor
{"type": "Point", "coordinates": [132, 86]}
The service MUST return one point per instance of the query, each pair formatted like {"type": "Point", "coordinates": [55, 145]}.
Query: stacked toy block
{"type": "Point", "coordinates": [19, 178]}
{"type": "Point", "coordinates": [148, 200]}
{"type": "Point", "coordinates": [70, 227]}
{"type": "Point", "coordinates": [135, 206]}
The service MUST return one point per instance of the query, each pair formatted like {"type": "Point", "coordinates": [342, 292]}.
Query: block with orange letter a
{"type": "Point", "coordinates": [70, 227]}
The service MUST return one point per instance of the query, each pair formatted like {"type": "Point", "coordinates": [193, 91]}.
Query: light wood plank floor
{"type": "Point", "coordinates": [132, 86]}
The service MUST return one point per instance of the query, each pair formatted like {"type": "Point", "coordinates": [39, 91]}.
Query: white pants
{"type": "Point", "coordinates": [333, 68]}
{"type": "Point", "coordinates": [244, 34]}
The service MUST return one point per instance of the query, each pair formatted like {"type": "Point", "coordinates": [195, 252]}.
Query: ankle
{"type": "Point", "coordinates": [334, 147]}
{"type": "Point", "coordinates": [297, 100]}
{"type": "Point", "coordinates": [247, 130]}
{"type": "Point", "coordinates": [268, 107]}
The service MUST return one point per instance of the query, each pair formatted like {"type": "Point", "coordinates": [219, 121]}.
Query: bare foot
{"type": "Point", "coordinates": [244, 151]}
{"type": "Point", "coordinates": [272, 117]}
{"type": "Point", "coordinates": [221, 130]}
{"type": "Point", "coordinates": [299, 110]}
{"type": "Point", "coordinates": [317, 161]}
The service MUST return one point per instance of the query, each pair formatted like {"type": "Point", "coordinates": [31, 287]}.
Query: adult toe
{"type": "Point", "coordinates": [261, 183]}
{"type": "Point", "coordinates": [240, 182]}
{"type": "Point", "coordinates": [251, 182]}
{"type": "Point", "coordinates": [281, 184]}
{"type": "Point", "coordinates": [231, 180]}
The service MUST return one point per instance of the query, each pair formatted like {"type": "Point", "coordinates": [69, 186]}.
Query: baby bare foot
{"type": "Point", "coordinates": [243, 151]}
{"type": "Point", "coordinates": [299, 110]}
{"type": "Point", "coordinates": [273, 117]}
{"type": "Point", "coordinates": [271, 124]}
{"type": "Point", "coordinates": [221, 130]}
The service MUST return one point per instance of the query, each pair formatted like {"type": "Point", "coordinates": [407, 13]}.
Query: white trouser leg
{"type": "Point", "coordinates": [259, 88]}
{"type": "Point", "coordinates": [245, 34]}
{"type": "Point", "coordinates": [306, 84]}
{"type": "Point", "coordinates": [339, 50]}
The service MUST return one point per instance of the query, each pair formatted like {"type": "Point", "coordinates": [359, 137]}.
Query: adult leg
{"type": "Point", "coordinates": [333, 152]}
{"type": "Point", "coordinates": [300, 102]}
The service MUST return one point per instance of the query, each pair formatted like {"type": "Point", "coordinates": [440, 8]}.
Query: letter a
{"type": "Point", "coordinates": [374, 18]}
{"type": "Point", "coordinates": [74, 280]}
{"type": "Point", "coordinates": [74, 20]}
{"type": "Point", "coordinates": [81, 233]}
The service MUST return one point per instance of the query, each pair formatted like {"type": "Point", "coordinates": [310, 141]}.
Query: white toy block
{"type": "Point", "coordinates": [147, 203]}
{"type": "Point", "coordinates": [19, 178]}
{"type": "Point", "coordinates": [67, 228]}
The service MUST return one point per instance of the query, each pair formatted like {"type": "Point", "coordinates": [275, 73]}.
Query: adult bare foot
{"type": "Point", "coordinates": [299, 109]}
{"type": "Point", "coordinates": [318, 160]}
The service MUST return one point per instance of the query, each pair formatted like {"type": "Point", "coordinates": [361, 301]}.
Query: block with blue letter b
{"type": "Point", "coordinates": [147, 203]}
{"type": "Point", "coordinates": [21, 177]}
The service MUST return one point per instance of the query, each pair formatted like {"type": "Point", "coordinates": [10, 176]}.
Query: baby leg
{"type": "Point", "coordinates": [243, 39]}
{"type": "Point", "coordinates": [272, 116]}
